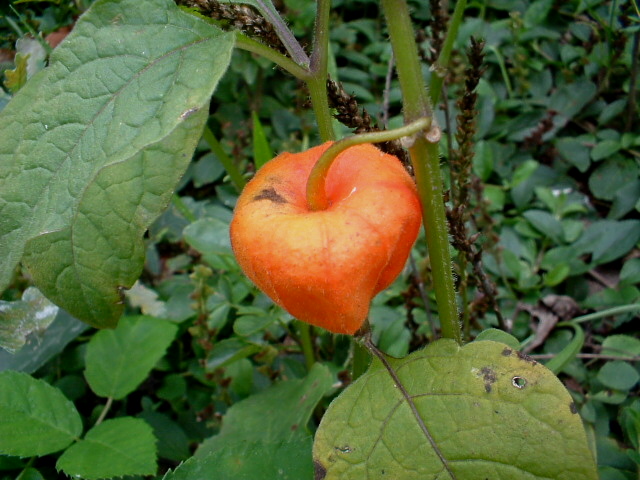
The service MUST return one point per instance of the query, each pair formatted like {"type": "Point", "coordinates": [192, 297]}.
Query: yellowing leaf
{"type": "Point", "coordinates": [470, 413]}
{"type": "Point", "coordinates": [16, 78]}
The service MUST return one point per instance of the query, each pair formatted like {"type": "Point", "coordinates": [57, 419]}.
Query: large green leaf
{"type": "Point", "coordinates": [119, 360]}
{"type": "Point", "coordinates": [93, 146]}
{"type": "Point", "coordinates": [114, 448]}
{"type": "Point", "coordinates": [264, 436]}
{"type": "Point", "coordinates": [250, 460]}
{"type": "Point", "coordinates": [35, 418]}
{"type": "Point", "coordinates": [278, 414]}
{"type": "Point", "coordinates": [475, 412]}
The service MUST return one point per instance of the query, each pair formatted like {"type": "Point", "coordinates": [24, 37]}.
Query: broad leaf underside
{"type": "Point", "coordinates": [481, 411]}
{"type": "Point", "coordinates": [93, 146]}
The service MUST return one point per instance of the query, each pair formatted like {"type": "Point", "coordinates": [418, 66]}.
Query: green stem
{"type": "Point", "coordinates": [607, 313]}
{"type": "Point", "coordinates": [23, 474]}
{"type": "Point", "coordinates": [503, 70]}
{"type": "Point", "coordinates": [307, 346]}
{"type": "Point", "coordinates": [440, 67]}
{"type": "Point", "coordinates": [235, 175]}
{"type": "Point", "coordinates": [245, 43]}
{"type": "Point", "coordinates": [361, 360]}
{"type": "Point", "coordinates": [317, 80]}
{"type": "Point", "coordinates": [414, 91]}
{"type": "Point", "coordinates": [179, 204]}
{"type": "Point", "coordinates": [316, 193]}
{"type": "Point", "coordinates": [426, 163]}
{"type": "Point", "coordinates": [429, 181]}
{"type": "Point", "coordinates": [105, 410]}
{"type": "Point", "coordinates": [320, 103]}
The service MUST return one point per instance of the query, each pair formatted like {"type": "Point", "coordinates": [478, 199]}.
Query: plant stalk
{"type": "Point", "coordinates": [105, 410]}
{"type": "Point", "coordinates": [235, 175]}
{"type": "Point", "coordinates": [440, 68]}
{"type": "Point", "coordinates": [306, 344]}
{"type": "Point", "coordinates": [317, 79]}
{"type": "Point", "coordinates": [316, 191]}
{"type": "Point", "coordinates": [250, 45]}
{"type": "Point", "coordinates": [426, 162]}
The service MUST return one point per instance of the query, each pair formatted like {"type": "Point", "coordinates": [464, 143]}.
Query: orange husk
{"type": "Point", "coordinates": [325, 266]}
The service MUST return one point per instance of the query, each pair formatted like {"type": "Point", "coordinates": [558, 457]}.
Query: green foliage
{"type": "Point", "coordinates": [555, 196]}
{"type": "Point", "coordinates": [119, 133]}
{"type": "Point", "coordinates": [470, 412]}
{"type": "Point", "coordinates": [119, 360]}
{"type": "Point", "coordinates": [122, 446]}
{"type": "Point", "coordinates": [37, 419]}
{"type": "Point", "coordinates": [262, 429]}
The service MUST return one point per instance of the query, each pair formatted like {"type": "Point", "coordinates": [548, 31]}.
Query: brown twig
{"type": "Point", "coordinates": [349, 113]}
{"type": "Point", "coordinates": [240, 17]}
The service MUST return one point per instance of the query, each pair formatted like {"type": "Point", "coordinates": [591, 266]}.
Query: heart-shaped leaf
{"type": "Point", "coordinates": [93, 146]}
{"type": "Point", "coordinates": [466, 413]}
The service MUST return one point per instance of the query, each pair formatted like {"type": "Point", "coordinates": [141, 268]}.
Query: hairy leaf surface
{"type": "Point", "coordinates": [476, 412]}
{"type": "Point", "coordinates": [93, 146]}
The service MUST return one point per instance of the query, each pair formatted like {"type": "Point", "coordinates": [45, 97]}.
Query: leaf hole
{"type": "Point", "coordinates": [519, 382]}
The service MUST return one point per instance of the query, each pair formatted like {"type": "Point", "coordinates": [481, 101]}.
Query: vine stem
{"type": "Point", "coordinates": [426, 162]}
{"type": "Point", "coordinates": [105, 410]}
{"type": "Point", "coordinates": [306, 344]}
{"type": "Point", "coordinates": [316, 191]}
{"type": "Point", "coordinates": [233, 171]}
{"type": "Point", "coordinates": [318, 72]}
{"type": "Point", "coordinates": [250, 45]}
{"type": "Point", "coordinates": [439, 69]}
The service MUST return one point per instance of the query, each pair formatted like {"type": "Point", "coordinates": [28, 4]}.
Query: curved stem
{"type": "Point", "coordinates": [425, 158]}
{"type": "Point", "coordinates": [316, 193]}
{"type": "Point", "coordinates": [105, 410]}
{"type": "Point", "coordinates": [245, 43]}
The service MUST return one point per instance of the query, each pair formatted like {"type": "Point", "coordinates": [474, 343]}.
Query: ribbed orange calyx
{"type": "Point", "coordinates": [325, 266]}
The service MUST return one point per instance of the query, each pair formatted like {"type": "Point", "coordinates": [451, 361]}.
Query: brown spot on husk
{"type": "Point", "coordinates": [271, 195]}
